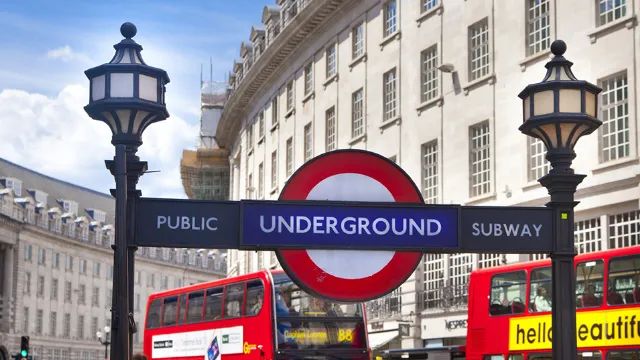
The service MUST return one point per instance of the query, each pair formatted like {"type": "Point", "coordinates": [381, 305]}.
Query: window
{"type": "Point", "coordinates": [589, 287]}
{"type": "Point", "coordinates": [153, 315]}
{"type": "Point", "coordinates": [109, 272]}
{"type": "Point", "coordinates": [182, 309]}
{"type": "Point", "coordinates": [289, 156]}
{"type": "Point", "coordinates": [274, 169]}
{"type": "Point", "coordinates": [255, 295]}
{"type": "Point", "coordinates": [614, 133]}
{"type": "Point", "coordinates": [136, 302]}
{"type": "Point", "coordinates": [540, 290]}
{"type": "Point", "coordinates": [53, 320]}
{"type": "Point", "coordinates": [389, 94]}
{"type": "Point", "coordinates": [308, 150]}
{"type": "Point", "coordinates": [357, 114]}
{"type": "Point", "coordinates": [40, 287]}
{"type": "Point", "coordinates": [55, 262]}
{"type": "Point", "coordinates": [81, 294]}
{"type": "Point", "coordinates": [290, 95]}
{"type": "Point", "coordinates": [68, 264]}
{"type": "Point", "coordinates": [170, 311]}
{"type": "Point", "coordinates": [94, 325]}
{"type": "Point", "coordinates": [28, 252]}
{"type": "Point", "coordinates": [42, 256]}
{"type": "Point", "coordinates": [330, 140]}
{"type": "Point", "coordinates": [430, 172]}
{"type": "Point", "coordinates": [54, 289]}
{"type": "Point", "coordinates": [624, 229]}
{"type": "Point", "coordinates": [83, 267]}
{"type": "Point", "coordinates": [39, 321]}
{"type": "Point", "coordinates": [260, 181]}
{"type": "Point", "coordinates": [587, 236]}
{"type": "Point", "coordinates": [428, 5]}
{"type": "Point", "coordinates": [479, 159]}
{"type": "Point", "coordinates": [538, 26]}
{"type": "Point", "coordinates": [433, 280]}
{"type": "Point", "coordinates": [194, 310]}
{"type": "Point", "coordinates": [490, 260]}
{"type": "Point", "coordinates": [538, 164]}
{"type": "Point", "coordinates": [27, 283]}
{"type": "Point", "coordinates": [274, 111]}
{"type": "Point", "coordinates": [250, 187]}
{"type": "Point", "coordinates": [260, 125]}
{"type": "Point", "coordinates": [25, 323]}
{"type": "Point", "coordinates": [390, 17]}
{"type": "Point", "coordinates": [507, 293]}
{"type": "Point", "coordinates": [308, 79]}
{"type": "Point", "coordinates": [610, 10]}
{"type": "Point", "coordinates": [80, 327]}
{"type": "Point", "coordinates": [429, 74]}
{"type": "Point", "coordinates": [624, 281]}
{"type": "Point", "coordinates": [67, 291]}
{"type": "Point", "coordinates": [459, 267]}
{"type": "Point", "coordinates": [213, 307]}
{"type": "Point", "coordinates": [357, 41]}
{"type": "Point", "coordinates": [478, 50]}
{"type": "Point", "coordinates": [96, 269]}
{"type": "Point", "coordinates": [249, 137]}
{"type": "Point", "coordinates": [95, 297]}
{"type": "Point", "coordinates": [233, 300]}
{"type": "Point", "coordinates": [623, 355]}
{"type": "Point", "coordinates": [330, 56]}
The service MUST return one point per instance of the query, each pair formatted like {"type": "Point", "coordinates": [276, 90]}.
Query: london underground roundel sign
{"type": "Point", "coordinates": [350, 275]}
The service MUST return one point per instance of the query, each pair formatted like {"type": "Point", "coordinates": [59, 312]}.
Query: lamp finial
{"type": "Point", "coordinates": [128, 30]}
{"type": "Point", "coordinates": [558, 47]}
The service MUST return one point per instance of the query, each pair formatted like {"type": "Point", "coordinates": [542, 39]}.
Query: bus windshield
{"type": "Point", "coordinates": [308, 323]}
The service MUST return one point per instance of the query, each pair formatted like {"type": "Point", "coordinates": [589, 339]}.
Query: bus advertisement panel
{"type": "Point", "coordinates": [262, 315]}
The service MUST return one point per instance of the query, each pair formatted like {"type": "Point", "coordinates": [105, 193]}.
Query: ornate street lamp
{"type": "Point", "coordinates": [558, 111]}
{"type": "Point", "coordinates": [103, 338]}
{"type": "Point", "coordinates": [127, 95]}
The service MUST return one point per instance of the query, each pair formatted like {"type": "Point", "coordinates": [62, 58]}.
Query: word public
{"type": "Point", "coordinates": [349, 225]}
{"type": "Point", "coordinates": [187, 223]}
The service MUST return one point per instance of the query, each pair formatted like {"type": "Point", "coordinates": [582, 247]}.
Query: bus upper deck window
{"type": "Point", "coordinates": [153, 317]}
{"type": "Point", "coordinates": [624, 281]}
{"type": "Point", "coordinates": [170, 311]}
{"type": "Point", "coordinates": [255, 297]}
{"type": "Point", "coordinates": [589, 283]}
{"type": "Point", "coordinates": [233, 300]}
{"type": "Point", "coordinates": [507, 293]}
{"type": "Point", "coordinates": [213, 304]}
{"type": "Point", "coordinates": [194, 307]}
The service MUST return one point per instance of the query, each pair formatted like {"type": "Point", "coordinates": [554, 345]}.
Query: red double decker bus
{"type": "Point", "coordinates": [510, 308]}
{"type": "Point", "coordinates": [263, 316]}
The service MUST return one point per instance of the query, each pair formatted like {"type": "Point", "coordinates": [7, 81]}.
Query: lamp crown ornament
{"type": "Point", "coordinates": [126, 93]}
{"type": "Point", "coordinates": [559, 110]}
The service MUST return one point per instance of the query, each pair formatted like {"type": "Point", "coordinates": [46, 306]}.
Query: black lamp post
{"type": "Point", "coordinates": [103, 338]}
{"type": "Point", "coordinates": [127, 95]}
{"type": "Point", "coordinates": [558, 111]}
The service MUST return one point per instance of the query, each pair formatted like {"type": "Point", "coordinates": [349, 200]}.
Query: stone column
{"type": "Point", "coordinates": [7, 291]}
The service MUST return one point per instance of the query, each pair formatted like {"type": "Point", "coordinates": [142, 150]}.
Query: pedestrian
{"type": "Point", "coordinates": [139, 356]}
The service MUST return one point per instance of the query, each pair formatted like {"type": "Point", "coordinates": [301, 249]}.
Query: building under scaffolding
{"type": "Point", "coordinates": [205, 171]}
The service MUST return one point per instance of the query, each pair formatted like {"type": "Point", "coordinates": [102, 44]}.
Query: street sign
{"type": "Point", "coordinates": [350, 275]}
{"type": "Point", "coordinates": [187, 223]}
{"type": "Point", "coordinates": [356, 226]}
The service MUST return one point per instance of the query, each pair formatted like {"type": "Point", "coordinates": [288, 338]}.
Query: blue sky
{"type": "Point", "coordinates": [46, 46]}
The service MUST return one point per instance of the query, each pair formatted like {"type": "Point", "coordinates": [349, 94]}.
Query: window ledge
{"type": "Point", "coordinates": [357, 139]}
{"type": "Point", "coordinates": [274, 127]}
{"type": "Point", "coordinates": [387, 123]}
{"type": "Point", "coordinates": [356, 61]}
{"type": "Point", "coordinates": [273, 190]}
{"type": "Point", "coordinates": [290, 112]}
{"type": "Point", "coordinates": [330, 79]}
{"type": "Point", "coordinates": [488, 79]}
{"type": "Point", "coordinates": [427, 14]}
{"type": "Point", "coordinates": [628, 21]}
{"type": "Point", "coordinates": [396, 35]}
{"type": "Point", "coordinates": [615, 164]}
{"type": "Point", "coordinates": [427, 104]}
{"type": "Point", "coordinates": [261, 140]}
{"type": "Point", "coordinates": [309, 96]}
{"type": "Point", "coordinates": [533, 58]}
{"type": "Point", "coordinates": [481, 198]}
{"type": "Point", "coordinates": [531, 185]}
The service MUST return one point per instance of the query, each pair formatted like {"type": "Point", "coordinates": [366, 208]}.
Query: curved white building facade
{"type": "Point", "coordinates": [432, 85]}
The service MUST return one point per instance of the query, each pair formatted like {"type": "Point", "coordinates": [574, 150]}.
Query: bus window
{"type": "Point", "coordinates": [507, 292]}
{"type": "Point", "coordinates": [213, 305]}
{"type": "Point", "coordinates": [623, 355]}
{"type": "Point", "coordinates": [182, 309]}
{"type": "Point", "coordinates": [515, 357]}
{"type": "Point", "coordinates": [540, 290]}
{"type": "Point", "coordinates": [589, 283]}
{"type": "Point", "coordinates": [493, 357]}
{"type": "Point", "coordinates": [233, 300]}
{"type": "Point", "coordinates": [153, 317]}
{"type": "Point", "coordinates": [169, 311]}
{"type": "Point", "coordinates": [194, 307]}
{"type": "Point", "coordinates": [589, 355]}
{"type": "Point", "coordinates": [540, 357]}
{"type": "Point", "coordinates": [624, 281]}
{"type": "Point", "coordinates": [255, 295]}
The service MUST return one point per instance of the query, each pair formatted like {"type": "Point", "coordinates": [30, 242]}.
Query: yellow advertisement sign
{"type": "Point", "coordinates": [593, 329]}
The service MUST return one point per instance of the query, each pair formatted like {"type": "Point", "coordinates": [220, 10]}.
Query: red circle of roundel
{"type": "Point", "coordinates": [299, 265]}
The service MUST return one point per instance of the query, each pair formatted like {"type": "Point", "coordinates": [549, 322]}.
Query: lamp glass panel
{"type": "Point", "coordinates": [564, 75]}
{"type": "Point", "coordinates": [590, 103]}
{"type": "Point", "coordinates": [110, 121]}
{"type": "Point", "coordinates": [540, 136]}
{"type": "Point", "coordinates": [570, 100]}
{"type": "Point", "coordinates": [124, 116]}
{"type": "Point", "coordinates": [579, 132]}
{"type": "Point", "coordinates": [97, 88]}
{"type": "Point", "coordinates": [527, 108]}
{"type": "Point", "coordinates": [565, 132]}
{"type": "Point", "coordinates": [121, 85]}
{"type": "Point", "coordinates": [148, 88]}
{"type": "Point", "coordinates": [550, 131]}
{"type": "Point", "coordinates": [126, 59]}
{"type": "Point", "coordinates": [137, 121]}
{"type": "Point", "coordinates": [543, 102]}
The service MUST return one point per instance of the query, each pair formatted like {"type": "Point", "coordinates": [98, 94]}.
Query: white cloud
{"type": "Point", "coordinates": [66, 54]}
{"type": "Point", "coordinates": [56, 137]}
